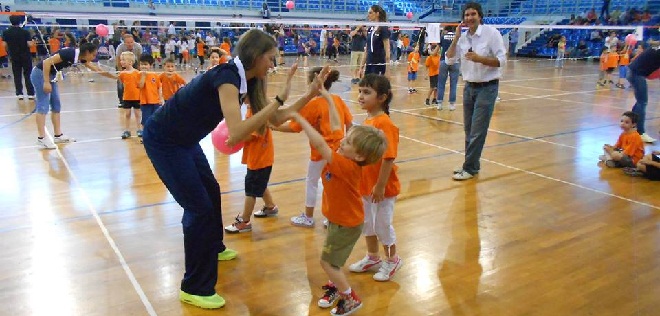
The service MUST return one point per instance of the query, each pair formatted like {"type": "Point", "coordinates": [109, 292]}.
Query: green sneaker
{"type": "Point", "coordinates": [209, 302]}
{"type": "Point", "coordinates": [227, 255]}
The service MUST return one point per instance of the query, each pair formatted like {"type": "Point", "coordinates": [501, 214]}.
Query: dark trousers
{"type": "Point", "coordinates": [187, 175]}
{"type": "Point", "coordinates": [22, 68]}
{"type": "Point", "coordinates": [478, 106]}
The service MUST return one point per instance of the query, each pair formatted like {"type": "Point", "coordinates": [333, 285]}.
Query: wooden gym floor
{"type": "Point", "coordinates": [89, 229]}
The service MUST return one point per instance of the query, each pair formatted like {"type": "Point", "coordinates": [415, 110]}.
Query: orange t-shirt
{"type": "Point", "coordinates": [3, 50]}
{"type": "Point", "coordinates": [149, 94]}
{"type": "Point", "coordinates": [603, 61]}
{"type": "Point", "coordinates": [342, 203]}
{"type": "Point", "coordinates": [54, 44]}
{"type": "Point", "coordinates": [632, 145]}
{"type": "Point", "coordinates": [406, 42]}
{"type": "Point", "coordinates": [612, 60]}
{"type": "Point", "coordinates": [624, 59]}
{"type": "Point", "coordinates": [258, 152]}
{"type": "Point", "coordinates": [226, 47]}
{"type": "Point", "coordinates": [130, 80]}
{"type": "Point", "coordinates": [413, 60]}
{"type": "Point", "coordinates": [370, 172]}
{"type": "Point", "coordinates": [316, 112]}
{"type": "Point", "coordinates": [336, 42]}
{"type": "Point", "coordinates": [200, 49]}
{"type": "Point", "coordinates": [171, 84]}
{"type": "Point", "coordinates": [433, 65]}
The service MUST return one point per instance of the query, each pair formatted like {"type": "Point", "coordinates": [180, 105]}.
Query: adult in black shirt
{"type": "Point", "coordinates": [358, 43]}
{"type": "Point", "coordinates": [640, 68]}
{"type": "Point", "coordinates": [171, 139]}
{"type": "Point", "coordinates": [45, 77]}
{"type": "Point", "coordinates": [378, 42]}
{"type": "Point", "coordinates": [18, 41]}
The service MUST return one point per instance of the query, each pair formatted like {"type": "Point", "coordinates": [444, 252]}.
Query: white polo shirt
{"type": "Point", "coordinates": [486, 41]}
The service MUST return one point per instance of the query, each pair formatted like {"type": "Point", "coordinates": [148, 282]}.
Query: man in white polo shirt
{"type": "Point", "coordinates": [482, 55]}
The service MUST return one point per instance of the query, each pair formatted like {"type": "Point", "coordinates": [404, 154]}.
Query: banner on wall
{"type": "Point", "coordinates": [433, 33]}
{"type": "Point", "coordinates": [5, 5]}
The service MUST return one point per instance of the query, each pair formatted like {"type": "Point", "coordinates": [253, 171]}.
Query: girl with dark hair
{"type": "Point", "coordinates": [378, 42]}
{"type": "Point", "coordinates": [171, 139]}
{"type": "Point", "coordinates": [45, 77]}
{"type": "Point", "coordinates": [316, 112]}
{"type": "Point", "coordinates": [380, 183]}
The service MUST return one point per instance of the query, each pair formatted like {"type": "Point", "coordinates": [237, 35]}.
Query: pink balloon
{"type": "Point", "coordinates": [409, 15]}
{"type": "Point", "coordinates": [219, 137]}
{"type": "Point", "coordinates": [631, 40]}
{"type": "Point", "coordinates": [290, 5]}
{"type": "Point", "coordinates": [102, 30]}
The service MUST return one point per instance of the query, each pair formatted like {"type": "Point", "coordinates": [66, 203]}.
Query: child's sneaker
{"type": "Point", "coordinates": [139, 133]}
{"type": "Point", "coordinates": [266, 212]}
{"type": "Point", "coordinates": [387, 270]}
{"type": "Point", "coordinates": [620, 86]}
{"type": "Point", "coordinates": [239, 226]}
{"type": "Point", "coordinates": [347, 305]}
{"type": "Point", "coordinates": [435, 101]}
{"type": "Point", "coordinates": [452, 106]}
{"type": "Point", "coordinates": [302, 221]}
{"type": "Point", "coordinates": [125, 134]}
{"type": "Point", "coordinates": [426, 102]}
{"type": "Point", "coordinates": [46, 143]}
{"type": "Point", "coordinates": [410, 91]}
{"type": "Point", "coordinates": [364, 265]}
{"type": "Point", "coordinates": [330, 296]}
{"type": "Point", "coordinates": [61, 139]}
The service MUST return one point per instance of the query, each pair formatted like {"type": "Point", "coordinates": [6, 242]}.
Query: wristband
{"type": "Point", "coordinates": [277, 98]}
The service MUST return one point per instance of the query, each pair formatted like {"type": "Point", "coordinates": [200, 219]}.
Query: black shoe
{"type": "Point", "coordinates": [435, 101]}
{"type": "Point", "coordinates": [427, 102]}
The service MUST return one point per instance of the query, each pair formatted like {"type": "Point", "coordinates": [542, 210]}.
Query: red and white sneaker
{"type": "Point", "coordinates": [330, 296]}
{"type": "Point", "coordinates": [364, 265]}
{"type": "Point", "coordinates": [347, 305]}
{"type": "Point", "coordinates": [387, 270]}
{"type": "Point", "coordinates": [239, 226]}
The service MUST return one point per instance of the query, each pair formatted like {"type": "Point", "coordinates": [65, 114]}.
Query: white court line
{"type": "Point", "coordinates": [550, 95]}
{"type": "Point", "coordinates": [537, 174]}
{"type": "Point", "coordinates": [63, 93]}
{"type": "Point", "coordinates": [70, 111]}
{"type": "Point", "coordinates": [104, 230]}
{"type": "Point", "coordinates": [489, 130]}
{"type": "Point", "coordinates": [602, 105]}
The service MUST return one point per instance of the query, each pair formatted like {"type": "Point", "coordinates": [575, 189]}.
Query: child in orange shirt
{"type": "Point", "coordinates": [629, 148]}
{"type": "Point", "coordinates": [611, 63]}
{"type": "Point", "coordinates": [150, 89]}
{"type": "Point", "coordinates": [380, 183]}
{"type": "Point", "coordinates": [624, 61]}
{"type": "Point", "coordinates": [258, 155]}
{"type": "Point", "coordinates": [170, 81]}
{"type": "Point", "coordinates": [201, 53]}
{"type": "Point", "coordinates": [433, 65]}
{"type": "Point", "coordinates": [226, 46]}
{"type": "Point", "coordinates": [413, 67]}
{"type": "Point", "coordinates": [342, 205]}
{"type": "Point", "coordinates": [54, 44]}
{"type": "Point", "coordinates": [130, 78]}
{"type": "Point", "coordinates": [316, 112]}
{"type": "Point", "coordinates": [4, 60]}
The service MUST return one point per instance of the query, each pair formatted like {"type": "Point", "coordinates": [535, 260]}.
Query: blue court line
{"type": "Point", "coordinates": [19, 120]}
